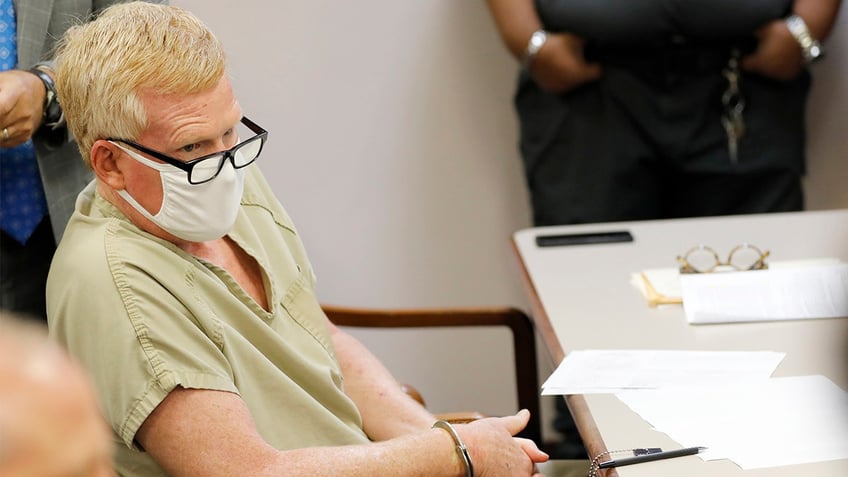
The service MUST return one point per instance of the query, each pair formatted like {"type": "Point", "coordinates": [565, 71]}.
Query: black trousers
{"type": "Point", "coordinates": [23, 272]}
{"type": "Point", "coordinates": [642, 145]}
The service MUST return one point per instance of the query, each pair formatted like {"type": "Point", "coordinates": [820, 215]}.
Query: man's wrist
{"type": "Point", "coordinates": [52, 116]}
{"type": "Point", "coordinates": [461, 450]}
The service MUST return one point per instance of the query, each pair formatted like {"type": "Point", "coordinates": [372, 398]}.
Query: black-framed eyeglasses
{"type": "Point", "coordinates": [205, 168]}
{"type": "Point", "coordinates": [703, 259]}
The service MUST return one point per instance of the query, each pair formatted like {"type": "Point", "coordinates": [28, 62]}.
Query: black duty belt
{"type": "Point", "coordinates": [678, 57]}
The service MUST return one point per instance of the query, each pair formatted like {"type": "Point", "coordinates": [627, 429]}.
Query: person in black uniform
{"type": "Point", "coordinates": [661, 108]}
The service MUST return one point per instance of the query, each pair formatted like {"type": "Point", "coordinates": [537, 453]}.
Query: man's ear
{"type": "Point", "coordinates": [104, 155]}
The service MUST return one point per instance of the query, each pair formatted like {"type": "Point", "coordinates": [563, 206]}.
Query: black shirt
{"type": "Point", "coordinates": [621, 22]}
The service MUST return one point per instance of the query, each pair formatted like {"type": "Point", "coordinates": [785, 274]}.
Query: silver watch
{"type": "Point", "coordinates": [810, 47]}
{"type": "Point", "coordinates": [537, 41]}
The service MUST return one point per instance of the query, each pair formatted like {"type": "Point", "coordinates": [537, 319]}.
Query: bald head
{"type": "Point", "coordinates": [50, 424]}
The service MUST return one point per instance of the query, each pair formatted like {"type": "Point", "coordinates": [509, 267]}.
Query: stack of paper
{"type": "Point", "coordinates": [723, 400]}
{"type": "Point", "coordinates": [788, 290]}
{"type": "Point", "coordinates": [766, 295]}
{"type": "Point", "coordinates": [763, 423]}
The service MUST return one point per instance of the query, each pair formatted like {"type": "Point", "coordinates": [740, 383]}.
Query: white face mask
{"type": "Point", "coordinates": [193, 212]}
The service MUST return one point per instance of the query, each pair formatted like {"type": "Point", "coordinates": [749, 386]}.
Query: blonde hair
{"type": "Point", "coordinates": [103, 66]}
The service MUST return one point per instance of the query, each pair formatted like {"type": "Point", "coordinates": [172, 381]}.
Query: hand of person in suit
{"type": "Point", "coordinates": [21, 106]}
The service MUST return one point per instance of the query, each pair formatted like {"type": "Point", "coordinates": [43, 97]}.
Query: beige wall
{"type": "Point", "coordinates": [826, 186]}
{"type": "Point", "coordinates": [393, 144]}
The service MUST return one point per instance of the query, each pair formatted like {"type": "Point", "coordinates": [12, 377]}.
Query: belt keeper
{"type": "Point", "coordinates": [460, 446]}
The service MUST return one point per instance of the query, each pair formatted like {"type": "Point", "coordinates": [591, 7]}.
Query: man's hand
{"type": "Point", "coordinates": [21, 106]}
{"type": "Point", "coordinates": [560, 66]}
{"type": "Point", "coordinates": [494, 450]}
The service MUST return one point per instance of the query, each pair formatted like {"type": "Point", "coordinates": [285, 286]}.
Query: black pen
{"type": "Point", "coordinates": [650, 457]}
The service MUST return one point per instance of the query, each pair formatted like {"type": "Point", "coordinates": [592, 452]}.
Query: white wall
{"type": "Point", "coordinates": [393, 144]}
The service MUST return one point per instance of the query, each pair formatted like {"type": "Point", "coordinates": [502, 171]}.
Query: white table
{"type": "Point", "coordinates": [582, 298]}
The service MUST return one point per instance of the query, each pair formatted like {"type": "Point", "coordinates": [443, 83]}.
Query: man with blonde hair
{"type": "Point", "coordinates": [203, 334]}
{"type": "Point", "coordinates": [50, 424]}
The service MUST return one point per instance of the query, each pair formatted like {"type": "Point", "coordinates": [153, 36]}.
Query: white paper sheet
{"type": "Point", "coordinates": [610, 371]}
{"type": "Point", "coordinates": [666, 281]}
{"type": "Point", "coordinates": [766, 295]}
{"type": "Point", "coordinates": [756, 424]}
